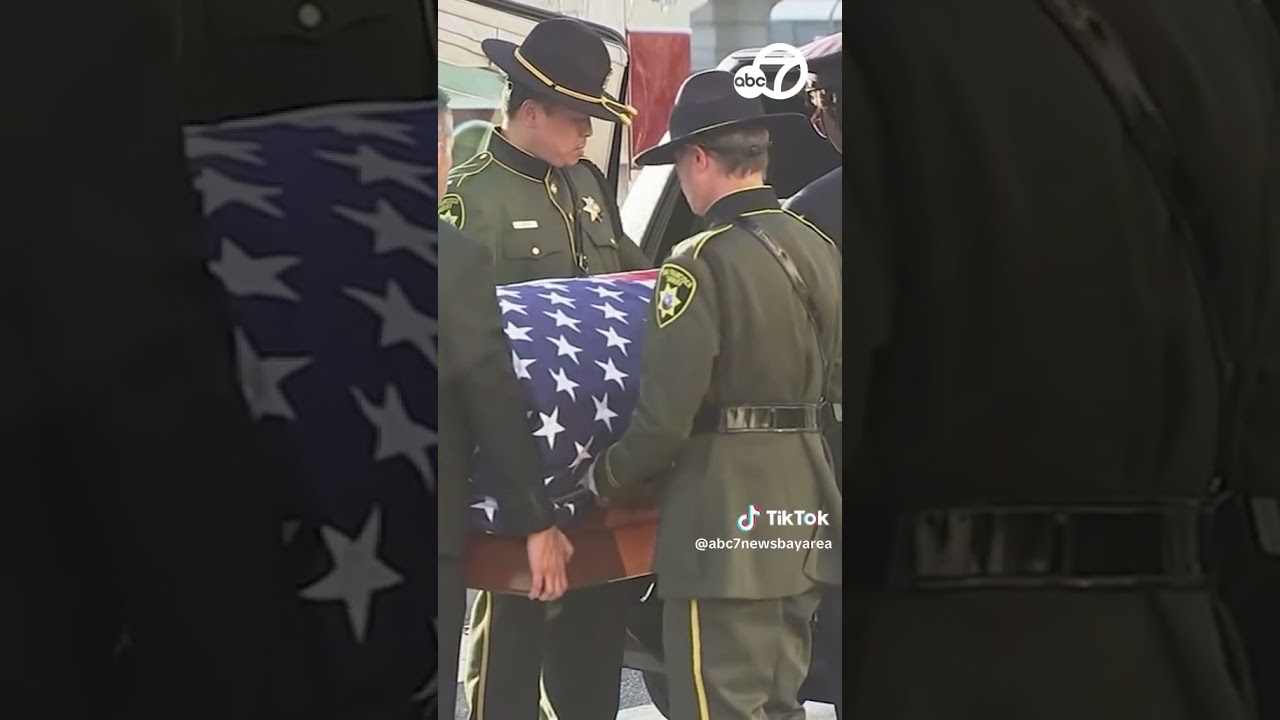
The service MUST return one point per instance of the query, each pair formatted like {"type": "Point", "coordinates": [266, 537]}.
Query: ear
{"type": "Point", "coordinates": [527, 113]}
{"type": "Point", "coordinates": [701, 158]}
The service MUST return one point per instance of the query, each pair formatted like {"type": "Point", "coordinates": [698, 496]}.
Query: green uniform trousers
{"type": "Point", "coordinates": [451, 611]}
{"type": "Point", "coordinates": [736, 659]}
{"type": "Point", "coordinates": [554, 661]}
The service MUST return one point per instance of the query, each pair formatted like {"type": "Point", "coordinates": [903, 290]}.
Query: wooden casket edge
{"type": "Point", "coordinates": [610, 545]}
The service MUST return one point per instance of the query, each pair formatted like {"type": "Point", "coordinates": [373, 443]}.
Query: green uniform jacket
{"type": "Point", "coordinates": [480, 397]}
{"type": "Point", "coordinates": [539, 221]}
{"type": "Point", "coordinates": [729, 329]}
{"type": "Point", "coordinates": [248, 57]}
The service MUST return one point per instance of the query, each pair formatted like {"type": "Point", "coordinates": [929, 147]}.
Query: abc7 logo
{"type": "Point", "coordinates": [750, 81]}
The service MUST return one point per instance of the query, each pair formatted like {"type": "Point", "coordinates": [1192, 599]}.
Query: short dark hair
{"type": "Point", "coordinates": [740, 152]}
{"type": "Point", "coordinates": [516, 95]}
{"type": "Point", "coordinates": [444, 118]}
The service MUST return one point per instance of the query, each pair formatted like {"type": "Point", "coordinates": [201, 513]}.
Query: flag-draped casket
{"type": "Point", "coordinates": [575, 346]}
{"type": "Point", "coordinates": [318, 227]}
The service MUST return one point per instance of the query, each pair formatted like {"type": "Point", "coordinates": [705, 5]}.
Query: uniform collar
{"type": "Point", "coordinates": [517, 159]}
{"type": "Point", "coordinates": [740, 202]}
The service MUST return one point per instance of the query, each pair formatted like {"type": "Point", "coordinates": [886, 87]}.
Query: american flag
{"type": "Point", "coordinates": [575, 345]}
{"type": "Point", "coordinates": [320, 227]}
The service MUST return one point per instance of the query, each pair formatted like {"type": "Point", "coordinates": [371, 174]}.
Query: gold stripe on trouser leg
{"type": "Point", "coordinates": [476, 686]}
{"type": "Point", "coordinates": [695, 636]}
{"type": "Point", "coordinates": [544, 702]}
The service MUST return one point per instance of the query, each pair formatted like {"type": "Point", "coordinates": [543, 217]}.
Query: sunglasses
{"type": "Point", "coordinates": [815, 120]}
{"type": "Point", "coordinates": [817, 102]}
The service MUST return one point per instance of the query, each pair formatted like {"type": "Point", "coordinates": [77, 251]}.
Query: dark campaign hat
{"type": "Point", "coordinates": [825, 57]}
{"type": "Point", "coordinates": [562, 59]}
{"type": "Point", "coordinates": [708, 102]}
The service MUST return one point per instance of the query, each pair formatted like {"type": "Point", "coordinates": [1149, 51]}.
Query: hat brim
{"type": "Point", "coordinates": [503, 54]}
{"type": "Point", "coordinates": [665, 154]}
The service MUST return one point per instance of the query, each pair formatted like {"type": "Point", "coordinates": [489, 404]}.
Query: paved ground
{"type": "Point", "coordinates": [634, 701]}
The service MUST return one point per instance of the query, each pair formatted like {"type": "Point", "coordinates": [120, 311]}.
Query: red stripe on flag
{"type": "Point", "coordinates": [634, 275]}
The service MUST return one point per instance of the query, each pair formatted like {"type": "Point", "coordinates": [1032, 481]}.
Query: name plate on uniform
{"type": "Point", "coordinates": [575, 345]}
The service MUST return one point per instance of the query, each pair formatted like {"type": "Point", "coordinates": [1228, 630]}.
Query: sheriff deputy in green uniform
{"type": "Point", "coordinates": [741, 356]}
{"type": "Point", "coordinates": [546, 213]}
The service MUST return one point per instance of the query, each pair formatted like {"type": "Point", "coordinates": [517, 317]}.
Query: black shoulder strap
{"type": "Point", "coordinates": [1147, 129]}
{"type": "Point", "coordinates": [801, 290]}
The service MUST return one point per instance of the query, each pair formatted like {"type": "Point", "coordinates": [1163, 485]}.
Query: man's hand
{"type": "Point", "coordinates": [549, 552]}
{"type": "Point", "coordinates": [588, 482]}
{"type": "Point", "coordinates": [638, 494]}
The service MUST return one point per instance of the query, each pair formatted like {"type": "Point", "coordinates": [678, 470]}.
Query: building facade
{"type": "Point", "coordinates": [718, 27]}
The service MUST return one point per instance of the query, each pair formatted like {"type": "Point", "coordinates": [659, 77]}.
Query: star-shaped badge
{"type": "Point", "coordinates": [453, 210]}
{"type": "Point", "coordinates": [675, 291]}
{"type": "Point", "coordinates": [668, 301]}
{"type": "Point", "coordinates": [591, 208]}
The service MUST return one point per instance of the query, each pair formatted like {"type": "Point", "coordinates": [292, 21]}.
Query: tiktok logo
{"type": "Point", "coordinates": [747, 520]}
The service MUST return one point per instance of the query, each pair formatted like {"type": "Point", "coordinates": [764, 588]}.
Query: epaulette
{"type": "Point", "coordinates": [811, 226]}
{"type": "Point", "coordinates": [595, 172]}
{"type": "Point", "coordinates": [693, 246]}
{"type": "Point", "coordinates": [469, 168]}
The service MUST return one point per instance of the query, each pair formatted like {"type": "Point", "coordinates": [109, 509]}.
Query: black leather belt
{"type": "Point", "coordinates": [1079, 546]}
{"type": "Point", "coordinates": [760, 418]}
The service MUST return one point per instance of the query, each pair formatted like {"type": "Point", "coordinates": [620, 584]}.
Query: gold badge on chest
{"type": "Point", "coordinates": [591, 208]}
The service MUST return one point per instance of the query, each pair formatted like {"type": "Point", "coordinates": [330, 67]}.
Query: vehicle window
{"type": "Point", "coordinates": [645, 201]}
{"type": "Point", "coordinates": [476, 86]}
{"type": "Point", "coordinates": [475, 99]}
{"type": "Point", "coordinates": [798, 157]}
{"type": "Point", "coordinates": [655, 214]}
